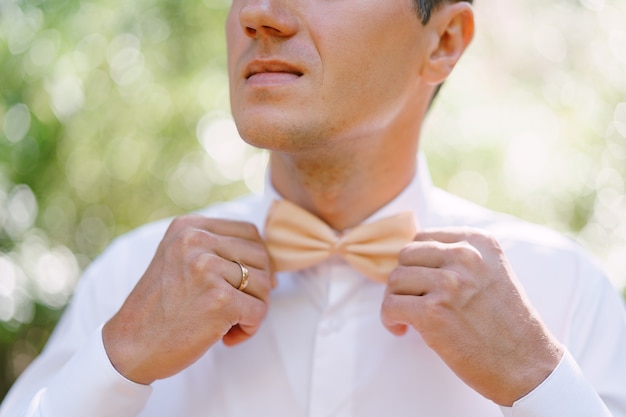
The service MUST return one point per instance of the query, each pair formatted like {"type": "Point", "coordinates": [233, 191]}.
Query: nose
{"type": "Point", "coordinates": [268, 18]}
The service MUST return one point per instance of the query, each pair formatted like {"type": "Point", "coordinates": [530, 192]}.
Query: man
{"type": "Point", "coordinates": [192, 319]}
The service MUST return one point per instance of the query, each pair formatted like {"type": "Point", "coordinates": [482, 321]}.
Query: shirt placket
{"type": "Point", "coordinates": [333, 361]}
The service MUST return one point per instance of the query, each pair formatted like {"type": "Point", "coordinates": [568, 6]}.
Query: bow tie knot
{"type": "Point", "coordinates": [296, 239]}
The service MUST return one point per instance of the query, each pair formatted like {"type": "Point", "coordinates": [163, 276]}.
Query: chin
{"type": "Point", "coordinates": [279, 135]}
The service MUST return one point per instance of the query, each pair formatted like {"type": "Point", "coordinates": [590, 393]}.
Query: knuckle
{"type": "Point", "coordinates": [177, 223]}
{"type": "Point", "coordinates": [397, 276]}
{"type": "Point", "coordinates": [189, 238]}
{"type": "Point", "coordinates": [203, 263]}
{"type": "Point", "coordinates": [465, 253]}
{"type": "Point", "coordinates": [437, 308]}
{"type": "Point", "coordinates": [183, 221]}
{"type": "Point", "coordinates": [451, 281]}
{"type": "Point", "coordinates": [456, 289]}
{"type": "Point", "coordinates": [220, 298]}
{"type": "Point", "coordinates": [484, 239]}
{"type": "Point", "coordinates": [197, 265]}
{"type": "Point", "coordinates": [492, 242]}
{"type": "Point", "coordinates": [406, 250]}
{"type": "Point", "coordinates": [394, 278]}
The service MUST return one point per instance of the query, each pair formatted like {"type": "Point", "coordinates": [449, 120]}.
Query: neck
{"type": "Point", "coordinates": [347, 181]}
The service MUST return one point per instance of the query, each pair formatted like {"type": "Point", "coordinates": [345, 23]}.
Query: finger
{"type": "Point", "coordinates": [250, 316]}
{"type": "Point", "coordinates": [249, 252]}
{"type": "Point", "coordinates": [436, 254]}
{"type": "Point", "coordinates": [392, 318]}
{"type": "Point", "coordinates": [225, 227]}
{"type": "Point", "coordinates": [194, 240]}
{"type": "Point", "coordinates": [446, 234]}
{"type": "Point", "coordinates": [257, 283]}
{"type": "Point", "coordinates": [258, 280]}
{"type": "Point", "coordinates": [415, 280]}
{"type": "Point", "coordinates": [430, 254]}
{"type": "Point", "coordinates": [400, 311]}
{"type": "Point", "coordinates": [478, 238]}
{"type": "Point", "coordinates": [210, 255]}
{"type": "Point", "coordinates": [252, 254]}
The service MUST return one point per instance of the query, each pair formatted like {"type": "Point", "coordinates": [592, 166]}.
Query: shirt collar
{"type": "Point", "coordinates": [415, 197]}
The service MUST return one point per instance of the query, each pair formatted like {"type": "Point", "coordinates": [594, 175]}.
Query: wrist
{"type": "Point", "coordinates": [530, 372]}
{"type": "Point", "coordinates": [119, 350]}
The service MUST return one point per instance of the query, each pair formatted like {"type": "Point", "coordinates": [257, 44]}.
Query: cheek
{"type": "Point", "coordinates": [368, 78]}
{"type": "Point", "coordinates": [347, 62]}
{"type": "Point", "coordinates": [373, 51]}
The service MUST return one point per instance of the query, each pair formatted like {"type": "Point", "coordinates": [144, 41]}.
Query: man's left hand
{"type": "Point", "coordinates": [457, 289]}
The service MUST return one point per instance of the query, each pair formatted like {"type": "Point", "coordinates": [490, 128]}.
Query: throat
{"type": "Point", "coordinates": [337, 190]}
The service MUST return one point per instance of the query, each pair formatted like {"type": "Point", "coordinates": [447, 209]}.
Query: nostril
{"type": "Point", "coordinates": [266, 18]}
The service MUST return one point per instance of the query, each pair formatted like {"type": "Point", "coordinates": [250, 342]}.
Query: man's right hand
{"type": "Point", "coordinates": [187, 300]}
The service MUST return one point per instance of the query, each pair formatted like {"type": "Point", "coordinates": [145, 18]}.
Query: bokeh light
{"type": "Point", "coordinates": [532, 121]}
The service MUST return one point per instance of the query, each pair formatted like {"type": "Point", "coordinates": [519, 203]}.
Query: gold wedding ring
{"type": "Point", "coordinates": [244, 276]}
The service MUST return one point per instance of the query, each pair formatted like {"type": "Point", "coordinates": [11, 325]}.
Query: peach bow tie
{"type": "Point", "coordinates": [296, 239]}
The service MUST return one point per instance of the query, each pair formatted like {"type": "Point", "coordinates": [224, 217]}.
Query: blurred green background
{"type": "Point", "coordinates": [114, 113]}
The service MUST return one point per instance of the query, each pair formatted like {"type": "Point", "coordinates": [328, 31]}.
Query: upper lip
{"type": "Point", "coordinates": [257, 66]}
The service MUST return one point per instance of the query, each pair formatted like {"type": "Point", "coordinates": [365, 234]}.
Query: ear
{"type": "Point", "coordinates": [452, 29]}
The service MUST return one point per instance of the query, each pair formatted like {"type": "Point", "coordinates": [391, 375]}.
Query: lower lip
{"type": "Point", "coordinates": [272, 78]}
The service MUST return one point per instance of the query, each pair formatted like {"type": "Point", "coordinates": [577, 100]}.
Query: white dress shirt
{"type": "Point", "coordinates": [322, 350]}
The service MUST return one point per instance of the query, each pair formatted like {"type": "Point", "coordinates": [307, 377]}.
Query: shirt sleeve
{"type": "Point", "coordinates": [89, 385]}
{"type": "Point", "coordinates": [73, 375]}
{"type": "Point", "coordinates": [85, 385]}
{"type": "Point", "coordinates": [566, 392]}
{"type": "Point", "coordinates": [591, 377]}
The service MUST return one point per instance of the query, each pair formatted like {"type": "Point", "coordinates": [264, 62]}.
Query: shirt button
{"type": "Point", "coordinates": [331, 326]}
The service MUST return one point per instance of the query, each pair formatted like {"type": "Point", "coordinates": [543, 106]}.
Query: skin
{"type": "Point", "coordinates": [337, 91]}
{"type": "Point", "coordinates": [187, 300]}
{"type": "Point", "coordinates": [311, 122]}
{"type": "Point", "coordinates": [456, 288]}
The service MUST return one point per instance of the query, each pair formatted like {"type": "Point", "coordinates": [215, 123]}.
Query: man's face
{"type": "Point", "coordinates": [304, 72]}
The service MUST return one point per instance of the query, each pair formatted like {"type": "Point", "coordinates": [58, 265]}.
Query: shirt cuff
{"type": "Point", "coordinates": [566, 392]}
{"type": "Point", "coordinates": [89, 385]}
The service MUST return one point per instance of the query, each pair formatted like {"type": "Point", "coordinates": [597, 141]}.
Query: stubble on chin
{"type": "Point", "coordinates": [283, 136]}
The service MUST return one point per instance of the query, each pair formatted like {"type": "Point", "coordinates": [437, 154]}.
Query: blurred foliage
{"type": "Point", "coordinates": [99, 108]}
{"type": "Point", "coordinates": [533, 121]}
{"type": "Point", "coordinates": [115, 113]}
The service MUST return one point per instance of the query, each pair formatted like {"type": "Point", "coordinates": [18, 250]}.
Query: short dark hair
{"type": "Point", "coordinates": [425, 8]}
